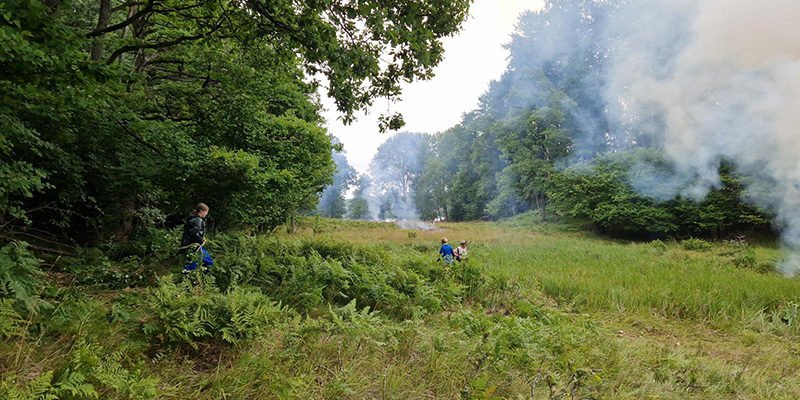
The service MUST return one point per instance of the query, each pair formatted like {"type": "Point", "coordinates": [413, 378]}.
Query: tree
{"type": "Point", "coordinates": [358, 207]}
{"type": "Point", "coordinates": [395, 169]}
{"type": "Point", "coordinates": [533, 149]}
{"type": "Point", "coordinates": [112, 108]}
{"type": "Point", "coordinates": [332, 202]}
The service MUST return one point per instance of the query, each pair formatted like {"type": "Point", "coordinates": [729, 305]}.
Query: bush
{"type": "Point", "coordinates": [742, 255]}
{"type": "Point", "coordinates": [636, 194]}
{"type": "Point", "coordinates": [100, 271]}
{"type": "Point", "coordinates": [695, 244]}
{"type": "Point", "coordinates": [148, 243]}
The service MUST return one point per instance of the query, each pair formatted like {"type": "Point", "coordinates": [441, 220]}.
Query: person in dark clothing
{"type": "Point", "coordinates": [446, 252]}
{"type": "Point", "coordinates": [194, 239]}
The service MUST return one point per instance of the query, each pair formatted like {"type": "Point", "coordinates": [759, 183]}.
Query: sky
{"type": "Point", "coordinates": [472, 58]}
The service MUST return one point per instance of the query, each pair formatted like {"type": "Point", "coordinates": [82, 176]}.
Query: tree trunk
{"type": "Point", "coordinates": [96, 52]}
{"type": "Point", "coordinates": [543, 208]}
{"type": "Point", "coordinates": [292, 227]}
{"type": "Point", "coordinates": [128, 214]}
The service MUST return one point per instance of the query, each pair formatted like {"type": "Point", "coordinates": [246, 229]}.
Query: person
{"type": "Point", "coordinates": [446, 252]}
{"type": "Point", "coordinates": [194, 239]}
{"type": "Point", "coordinates": [461, 252]}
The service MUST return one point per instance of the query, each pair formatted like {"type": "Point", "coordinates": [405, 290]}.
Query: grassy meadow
{"type": "Point", "coordinates": [362, 310]}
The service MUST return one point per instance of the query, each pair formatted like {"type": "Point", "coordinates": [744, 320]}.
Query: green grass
{"type": "Point", "coordinates": [361, 310]}
{"type": "Point", "coordinates": [622, 277]}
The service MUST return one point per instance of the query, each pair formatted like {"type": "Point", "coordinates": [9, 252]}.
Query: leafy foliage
{"type": "Point", "coordinates": [92, 372]}
{"type": "Point", "coordinates": [20, 276]}
{"type": "Point", "coordinates": [603, 193]}
{"type": "Point", "coordinates": [182, 314]}
{"type": "Point", "coordinates": [695, 244]}
{"type": "Point", "coordinates": [10, 321]}
{"type": "Point", "coordinates": [308, 274]}
{"type": "Point", "coordinates": [120, 114]}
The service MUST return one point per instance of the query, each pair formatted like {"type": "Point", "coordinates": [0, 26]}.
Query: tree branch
{"type": "Point", "coordinates": [161, 45]}
{"type": "Point", "coordinates": [99, 32]}
{"type": "Point", "coordinates": [139, 138]}
{"type": "Point", "coordinates": [126, 5]}
{"type": "Point", "coordinates": [167, 118]}
{"type": "Point", "coordinates": [207, 79]}
{"type": "Point", "coordinates": [39, 248]}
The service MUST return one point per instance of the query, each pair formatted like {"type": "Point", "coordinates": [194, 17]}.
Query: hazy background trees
{"type": "Point", "coordinates": [548, 136]}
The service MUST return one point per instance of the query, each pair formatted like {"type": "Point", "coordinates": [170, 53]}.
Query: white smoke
{"type": "Point", "coordinates": [725, 77]}
{"type": "Point", "coordinates": [417, 225]}
{"type": "Point", "coordinates": [393, 172]}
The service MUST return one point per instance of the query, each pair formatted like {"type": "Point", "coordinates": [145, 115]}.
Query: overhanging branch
{"type": "Point", "coordinates": [146, 10]}
{"type": "Point", "coordinates": [161, 45]}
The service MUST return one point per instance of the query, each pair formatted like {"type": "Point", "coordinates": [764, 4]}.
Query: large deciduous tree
{"type": "Point", "coordinates": [118, 113]}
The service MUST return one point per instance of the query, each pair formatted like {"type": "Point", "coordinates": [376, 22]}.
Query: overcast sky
{"type": "Point", "coordinates": [471, 59]}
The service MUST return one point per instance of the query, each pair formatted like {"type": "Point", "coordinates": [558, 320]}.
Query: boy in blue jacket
{"type": "Point", "coordinates": [446, 252]}
{"type": "Point", "coordinates": [194, 239]}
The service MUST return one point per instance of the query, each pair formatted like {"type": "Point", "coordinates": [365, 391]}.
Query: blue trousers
{"type": "Point", "coordinates": [204, 257]}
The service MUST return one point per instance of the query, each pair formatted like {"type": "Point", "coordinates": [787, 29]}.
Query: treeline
{"type": "Point", "coordinates": [119, 114]}
{"type": "Point", "coordinates": [547, 137]}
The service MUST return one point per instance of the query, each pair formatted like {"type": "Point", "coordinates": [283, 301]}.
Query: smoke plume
{"type": "Point", "coordinates": [394, 171]}
{"type": "Point", "coordinates": [723, 77]}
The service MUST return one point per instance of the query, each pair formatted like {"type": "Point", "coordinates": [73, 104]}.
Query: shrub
{"type": "Point", "coordinates": [146, 243]}
{"type": "Point", "coordinates": [695, 244]}
{"type": "Point", "coordinates": [744, 257]}
{"type": "Point", "coordinates": [634, 193]}
{"type": "Point", "coordinates": [100, 271]}
{"type": "Point", "coordinates": [658, 245]}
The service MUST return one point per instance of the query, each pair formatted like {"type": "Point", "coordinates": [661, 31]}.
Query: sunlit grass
{"type": "Point", "coordinates": [544, 311]}
{"type": "Point", "coordinates": [592, 273]}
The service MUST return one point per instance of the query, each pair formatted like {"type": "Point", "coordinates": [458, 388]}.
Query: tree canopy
{"type": "Point", "coordinates": [122, 113]}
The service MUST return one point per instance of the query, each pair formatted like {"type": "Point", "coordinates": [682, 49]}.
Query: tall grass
{"type": "Point", "coordinates": [592, 273]}
{"type": "Point", "coordinates": [363, 311]}
{"type": "Point", "coordinates": [635, 277]}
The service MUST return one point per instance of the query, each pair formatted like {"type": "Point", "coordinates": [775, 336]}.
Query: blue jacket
{"type": "Point", "coordinates": [446, 252]}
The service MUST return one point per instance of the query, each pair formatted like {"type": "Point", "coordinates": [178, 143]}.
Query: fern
{"type": "Point", "coordinates": [39, 388]}
{"type": "Point", "coordinates": [183, 316]}
{"type": "Point", "coordinates": [20, 275]}
{"type": "Point", "coordinates": [10, 322]}
{"type": "Point", "coordinates": [355, 323]}
{"type": "Point", "coordinates": [93, 372]}
{"type": "Point", "coordinates": [247, 313]}
{"type": "Point", "coordinates": [73, 383]}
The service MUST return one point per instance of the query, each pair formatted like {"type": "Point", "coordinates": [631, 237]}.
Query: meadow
{"type": "Point", "coordinates": [362, 310]}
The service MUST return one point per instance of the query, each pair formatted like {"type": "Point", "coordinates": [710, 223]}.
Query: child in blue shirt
{"type": "Point", "coordinates": [446, 252]}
